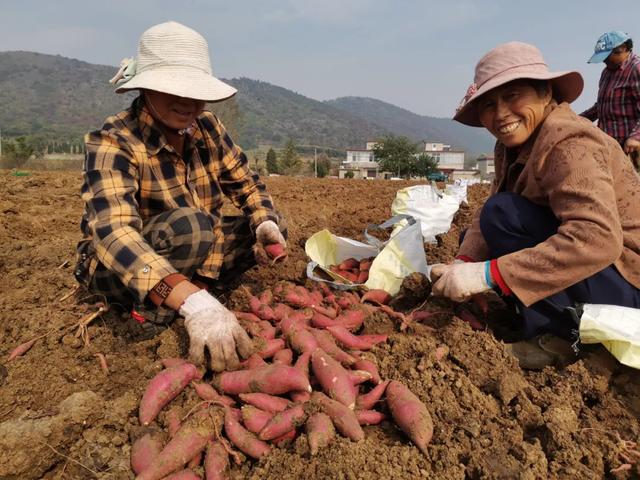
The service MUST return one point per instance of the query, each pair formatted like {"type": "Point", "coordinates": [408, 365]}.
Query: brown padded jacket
{"type": "Point", "coordinates": [584, 177]}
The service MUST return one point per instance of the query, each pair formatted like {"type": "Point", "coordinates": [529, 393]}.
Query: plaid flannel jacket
{"type": "Point", "coordinates": [131, 174]}
{"type": "Point", "coordinates": [618, 107]}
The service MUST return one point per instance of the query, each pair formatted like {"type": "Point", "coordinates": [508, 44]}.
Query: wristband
{"type": "Point", "coordinates": [162, 289]}
{"type": "Point", "coordinates": [487, 274]}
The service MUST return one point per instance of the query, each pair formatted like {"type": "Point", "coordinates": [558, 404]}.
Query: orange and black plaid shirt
{"type": "Point", "coordinates": [131, 174]}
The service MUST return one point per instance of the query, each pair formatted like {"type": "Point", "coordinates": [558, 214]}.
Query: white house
{"type": "Point", "coordinates": [357, 156]}
{"type": "Point", "coordinates": [486, 165]}
{"type": "Point", "coordinates": [449, 159]}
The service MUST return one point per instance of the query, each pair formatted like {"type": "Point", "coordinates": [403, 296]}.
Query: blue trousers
{"type": "Point", "coordinates": [509, 223]}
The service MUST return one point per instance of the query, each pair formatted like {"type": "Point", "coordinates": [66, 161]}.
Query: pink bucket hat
{"type": "Point", "coordinates": [512, 61]}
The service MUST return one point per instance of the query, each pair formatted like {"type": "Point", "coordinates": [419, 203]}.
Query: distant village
{"type": "Point", "coordinates": [361, 163]}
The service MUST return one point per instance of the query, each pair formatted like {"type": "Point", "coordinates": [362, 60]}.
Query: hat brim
{"type": "Point", "coordinates": [599, 57]}
{"type": "Point", "coordinates": [567, 86]}
{"type": "Point", "coordinates": [196, 85]}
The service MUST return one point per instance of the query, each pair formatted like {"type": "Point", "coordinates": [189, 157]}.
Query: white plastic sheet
{"type": "Point", "coordinates": [616, 328]}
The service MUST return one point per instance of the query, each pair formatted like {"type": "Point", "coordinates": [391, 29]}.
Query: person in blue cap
{"type": "Point", "coordinates": [617, 108]}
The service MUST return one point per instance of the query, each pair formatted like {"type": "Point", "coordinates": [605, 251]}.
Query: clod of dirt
{"type": "Point", "coordinates": [3, 374]}
{"type": "Point", "coordinates": [27, 445]}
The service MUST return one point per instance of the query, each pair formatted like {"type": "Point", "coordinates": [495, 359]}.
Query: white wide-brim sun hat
{"type": "Point", "coordinates": [174, 59]}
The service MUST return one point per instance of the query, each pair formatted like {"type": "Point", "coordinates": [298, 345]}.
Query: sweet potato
{"type": "Point", "coordinates": [271, 379]}
{"type": "Point", "coordinates": [343, 418]}
{"type": "Point", "coordinates": [471, 319]}
{"type": "Point", "coordinates": [283, 422]}
{"type": "Point", "coordinates": [370, 417]}
{"type": "Point", "coordinates": [281, 311]}
{"type": "Point", "coordinates": [21, 349]}
{"type": "Point", "coordinates": [255, 419]}
{"type": "Point", "coordinates": [208, 393]}
{"type": "Point", "coordinates": [368, 400]}
{"type": "Point", "coordinates": [266, 297]}
{"type": "Point", "coordinates": [351, 319]}
{"type": "Point", "coordinates": [410, 414]}
{"type": "Point", "coordinates": [186, 444]}
{"type": "Point", "coordinates": [328, 344]}
{"type": "Point", "coordinates": [363, 276]}
{"type": "Point", "coordinates": [216, 462]}
{"type": "Point", "coordinates": [320, 431]}
{"type": "Point", "coordinates": [284, 356]}
{"type": "Point", "coordinates": [144, 451]}
{"type": "Point", "coordinates": [284, 439]}
{"type": "Point", "coordinates": [349, 264]}
{"type": "Point", "coordinates": [368, 366]}
{"type": "Point", "coordinates": [172, 421]}
{"type": "Point", "coordinates": [326, 311]}
{"type": "Point", "coordinates": [259, 328]}
{"type": "Point", "coordinates": [183, 475]}
{"type": "Point", "coordinates": [334, 379]}
{"type": "Point", "coordinates": [261, 310]}
{"type": "Point", "coordinates": [268, 403]}
{"type": "Point", "coordinates": [349, 340]}
{"type": "Point", "coordinates": [301, 339]}
{"type": "Point", "coordinates": [276, 251]}
{"type": "Point", "coordinates": [377, 296]}
{"type": "Point", "coordinates": [322, 321]}
{"type": "Point", "coordinates": [268, 348]}
{"type": "Point", "coordinates": [246, 316]}
{"type": "Point", "coordinates": [242, 438]}
{"type": "Point", "coordinates": [359, 376]}
{"type": "Point", "coordinates": [253, 361]}
{"type": "Point", "coordinates": [365, 264]}
{"type": "Point", "coordinates": [163, 388]}
{"type": "Point", "coordinates": [300, 396]}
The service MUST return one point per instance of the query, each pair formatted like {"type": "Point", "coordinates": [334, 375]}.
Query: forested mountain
{"type": "Point", "coordinates": [56, 97]}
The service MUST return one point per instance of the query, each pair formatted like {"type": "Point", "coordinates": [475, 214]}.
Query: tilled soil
{"type": "Point", "coordinates": [62, 416]}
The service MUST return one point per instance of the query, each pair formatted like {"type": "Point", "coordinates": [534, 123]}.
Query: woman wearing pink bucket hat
{"type": "Point", "coordinates": [155, 178]}
{"type": "Point", "coordinates": [562, 224]}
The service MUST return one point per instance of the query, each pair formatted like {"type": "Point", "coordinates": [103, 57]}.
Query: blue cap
{"type": "Point", "coordinates": [606, 43]}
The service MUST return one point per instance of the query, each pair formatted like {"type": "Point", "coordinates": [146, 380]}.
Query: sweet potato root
{"type": "Point", "coordinates": [255, 419]}
{"type": "Point", "coordinates": [216, 462]}
{"type": "Point", "coordinates": [359, 342]}
{"type": "Point", "coordinates": [320, 431]}
{"type": "Point", "coordinates": [283, 422]}
{"type": "Point", "coordinates": [368, 400]}
{"type": "Point", "coordinates": [183, 475]}
{"type": "Point", "coordinates": [208, 393]}
{"type": "Point", "coordinates": [370, 417]}
{"type": "Point", "coordinates": [276, 251]}
{"type": "Point", "coordinates": [342, 417]}
{"type": "Point", "coordinates": [368, 366]}
{"type": "Point", "coordinates": [242, 438]}
{"type": "Point", "coordinates": [328, 344]}
{"type": "Point", "coordinates": [163, 388]}
{"type": "Point", "coordinates": [271, 379]}
{"type": "Point", "coordinates": [144, 451]}
{"type": "Point", "coordinates": [190, 440]}
{"type": "Point", "coordinates": [284, 356]}
{"type": "Point", "coordinates": [377, 296]}
{"type": "Point", "coordinates": [334, 379]}
{"type": "Point", "coordinates": [410, 414]}
{"type": "Point", "coordinates": [268, 403]}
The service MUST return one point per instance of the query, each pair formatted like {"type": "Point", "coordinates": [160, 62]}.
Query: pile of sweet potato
{"type": "Point", "coordinates": [356, 271]}
{"type": "Point", "coordinates": [307, 374]}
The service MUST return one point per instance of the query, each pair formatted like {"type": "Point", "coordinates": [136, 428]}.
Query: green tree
{"type": "Point", "coordinates": [349, 174]}
{"type": "Point", "coordinates": [272, 161]}
{"type": "Point", "coordinates": [396, 154]}
{"type": "Point", "coordinates": [323, 165]}
{"type": "Point", "coordinates": [424, 164]}
{"type": "Point", "coordinates": [16, 153]}
{"type": "Point", "coordinates": [290, 160]}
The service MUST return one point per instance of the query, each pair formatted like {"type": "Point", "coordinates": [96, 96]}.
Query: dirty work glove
{"type": "Point", "coordinates": [267, 233]}
{"type": "Point", "coordinates": [210, 325]}
{"type": "Point", "coordinates": [460, 281]}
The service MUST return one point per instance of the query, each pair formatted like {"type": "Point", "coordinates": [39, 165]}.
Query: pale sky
{"type": "Point", "coordinates": [419, 55]}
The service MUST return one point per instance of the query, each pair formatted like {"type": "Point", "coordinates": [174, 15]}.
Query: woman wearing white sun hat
{"type": "Point", "coordinates": [155, 177]}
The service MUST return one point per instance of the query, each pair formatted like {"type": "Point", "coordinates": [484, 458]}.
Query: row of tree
{"type": "Point", "coordinates": [290, 162]}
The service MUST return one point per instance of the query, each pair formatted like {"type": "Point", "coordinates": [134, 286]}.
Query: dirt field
{"type": "Point", "coordinates": [62, 417]}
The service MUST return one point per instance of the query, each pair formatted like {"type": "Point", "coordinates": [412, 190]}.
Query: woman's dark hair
{"type": "Point", "coordinates": [540, 86]}
{"type": "Point", "coordinates": [629, 44]}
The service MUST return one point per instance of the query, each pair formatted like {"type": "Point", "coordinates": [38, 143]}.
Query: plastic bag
{"type": "Point", "coordinates": [433, 208]}
{"type": "Point", "coordinates": [396, 258]}
{"type": "Point", "coordinates": [616, 328]}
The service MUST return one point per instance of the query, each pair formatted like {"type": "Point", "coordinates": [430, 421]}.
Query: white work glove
{"type": "Point", "coordinates": [210, 325]}
{"type": "Point", "coordinates": [459, 281]}
{"type": "Point", "coordinates": [267, 233]}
